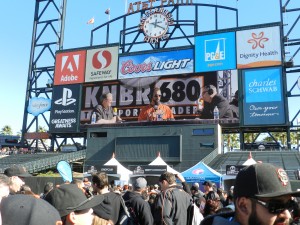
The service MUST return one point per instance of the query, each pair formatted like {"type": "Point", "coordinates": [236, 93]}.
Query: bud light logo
{"type": "Point", "coordinates": [101, 59]}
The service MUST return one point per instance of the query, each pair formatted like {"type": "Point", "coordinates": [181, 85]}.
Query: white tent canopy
{"type": "Point", "coordinates": [122, 171]}
{"type": "Point", "coordinates": [249, 161]}
{"type": "Point", "coordinates": [160, 162]}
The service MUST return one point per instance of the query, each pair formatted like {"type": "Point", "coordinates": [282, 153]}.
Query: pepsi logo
{"type": "Point", "coordinates": [198, 171]}
{"type": "Point", "coordinates": [101, 59]}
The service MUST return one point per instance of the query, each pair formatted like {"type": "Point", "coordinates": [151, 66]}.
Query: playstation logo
{"type": "Point", "coordinates": [66, 98]}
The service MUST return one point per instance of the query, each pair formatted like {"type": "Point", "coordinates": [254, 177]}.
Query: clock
{"type": "Point", "coordinates": [155, 25]}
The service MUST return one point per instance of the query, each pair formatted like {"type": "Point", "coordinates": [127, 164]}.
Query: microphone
{"type": "Point", "coordinates": [115, 111]}
{"type": "Point", "coordinates": [155, 107]}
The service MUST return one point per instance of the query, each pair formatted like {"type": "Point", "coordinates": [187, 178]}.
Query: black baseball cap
{"type": "Point", "coordinates": [18, 171]}
{"type": "Point", "coordinates": [28, 210]}
{"type": "Point", "coordinates": [263, 180]}
{"type": "Point", "coordinates": [69, 198]}
{"type": "Point", "coordinates": [208, 182]}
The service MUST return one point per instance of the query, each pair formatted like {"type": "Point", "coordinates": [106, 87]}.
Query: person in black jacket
{"type": "Point", "coordinates": [111, 207]}
{"type": "Point", "coordinates": [139, 207]}
{"type": "Point", "coordinates": [173, 202]}
{"type": "Point", "coordinates": [212, 99]}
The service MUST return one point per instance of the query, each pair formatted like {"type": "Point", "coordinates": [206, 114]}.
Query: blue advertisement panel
{"type": "Point", "coordinates": [64, 115]}
{"type": "Point", "coordinates": [215, 52]}
{"type": "Point", "coordinates": [156, 64]}
{"type": "Point", "coordinates": [263, 103]}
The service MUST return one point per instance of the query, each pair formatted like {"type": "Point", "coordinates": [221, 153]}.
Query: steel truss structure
{"type": "Point", "coordinates": [48, 36]}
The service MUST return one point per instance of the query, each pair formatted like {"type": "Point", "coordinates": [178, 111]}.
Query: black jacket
{"type": "Point", "coordinates": [110, 208]}
{"type": "Point", "coordinates": [223, 106]}
{"type": "Point", "coordinates": [140, 207]}
{"type": "Point", "coordinates": [172, 205]}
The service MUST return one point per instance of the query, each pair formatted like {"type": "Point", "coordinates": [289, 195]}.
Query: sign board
{"type": "Point", "coordinates": [258, 47]}
{"type": "Point", "coordinates": [263, 102]}
{"type": "Point", "coordinates": [156, 64]}
{"type": "Point", "coordinates": [108, 169]}
{"type": "Point", "coordinates": [37, 106]}
{"type": "Point", "coordinates": [233, 169]}
{"type": "Point", "coordinates": [69, 67]}
{"type": "Point", "coordinates": [149, 170]}
{"type": "Point", "coordinates": [130, 95]}
{"type": "Point", "coordinates": [215, 52]}
{"type": "Point", "coordinates": [64, 115]}
{"type": "Point", "coordinates": [102, 64]}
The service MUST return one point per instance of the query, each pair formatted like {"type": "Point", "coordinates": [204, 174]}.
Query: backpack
{"type": "Point", "coordinates": [194, 215]}
{"type": "Point", "coordinates": [127, 216]}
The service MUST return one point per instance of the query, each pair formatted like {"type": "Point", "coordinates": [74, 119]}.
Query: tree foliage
{"type": "Point", "coordinates": [6, 130]}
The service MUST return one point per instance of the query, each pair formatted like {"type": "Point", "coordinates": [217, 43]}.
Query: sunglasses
{"type": "Point", "coordinates": [275, 207]}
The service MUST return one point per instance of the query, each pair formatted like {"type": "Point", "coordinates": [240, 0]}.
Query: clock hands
{"type": "Point", "coordinates": [160, 27]}
{"type": "Point", "coordinates": [155, 24]}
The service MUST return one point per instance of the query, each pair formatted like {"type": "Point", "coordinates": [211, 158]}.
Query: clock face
{"type": "Point", "coordinates": [156, 25]}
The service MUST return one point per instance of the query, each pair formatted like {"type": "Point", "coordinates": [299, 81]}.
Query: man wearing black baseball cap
{"type": "Point", "coordinates": [28, 210]}
{"type": "Point", "coordinates": [72, 204]}
{"type": "Point", "coordinates": [262, 195]}
{"type": "Point", "coordinates": [15, 174]}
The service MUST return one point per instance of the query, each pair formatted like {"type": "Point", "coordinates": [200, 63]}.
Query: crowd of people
{"type": "Point", "coordinates": [261, 195]}
{"type": "Point", "coordinates": [157, 111]}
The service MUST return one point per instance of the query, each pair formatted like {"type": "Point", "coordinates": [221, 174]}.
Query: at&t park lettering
{"type": "Point", "coordinates": [128, 67]}
{"type": "Point", "coordinates": [148, 5]}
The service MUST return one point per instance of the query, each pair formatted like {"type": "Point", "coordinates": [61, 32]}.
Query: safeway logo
{"type": "Point", "coordinates": [258, 40]}
{"type": "Point", "coordinates": [66, 98]}
{"type": "Point", "coordinates": [69, 67]}
{"type": "Point", "coordinates": [102, 59]}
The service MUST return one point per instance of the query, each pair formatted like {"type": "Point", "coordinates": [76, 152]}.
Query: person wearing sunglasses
{"type": "Point", "coordinates": [262, 196]}
{"type": "Point", "coordinates": [156, 111]}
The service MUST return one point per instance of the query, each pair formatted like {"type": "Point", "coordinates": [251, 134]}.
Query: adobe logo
{"type": "Point", "coordinates": [69, 68]}
{"type": "Point", "coordinates": [101, 59]}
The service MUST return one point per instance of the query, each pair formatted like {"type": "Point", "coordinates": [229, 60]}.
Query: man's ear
{"type": "Point", "coordinates": [243, 205]}
{"type": "Point", "coordinates": [71, 218]}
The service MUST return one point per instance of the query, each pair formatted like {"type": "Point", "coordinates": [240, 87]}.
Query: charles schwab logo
{"type": "Point", "coordinates": [66, 98]}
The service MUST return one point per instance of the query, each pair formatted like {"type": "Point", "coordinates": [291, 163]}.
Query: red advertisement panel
{"type": "Point", "coordinates": [70, 67]}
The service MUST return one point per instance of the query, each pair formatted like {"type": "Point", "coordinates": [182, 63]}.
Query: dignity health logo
{"type": "Point", "coordinates": [258, 40]}
{"type": "Point", "coordinates": [215, 49]}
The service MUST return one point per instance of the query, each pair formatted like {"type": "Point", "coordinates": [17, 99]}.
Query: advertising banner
{"type": "Point", "coordinates": [102, 64]}
{"type": "Point", "coordinates": [149, 170]}
{"type": "Point", "coordinates": [233, 169]}
{"type": "Point", "coordinates": [180, 94]}
{"type": "Point", "coordinates": [64, 115]}
{"type": "Point", "coordinates": [263, 102]}
{"type": "Point", "coordinates": [215, 52]}
{"type": "Point", "coordinates": [69, 67]}
{"type": "Point", "coordinates": [258, 47]}
{"type": "Point", "coordinates": [37, 106]}
{"type": "Point", "coordinates": [108, 169]}
{"type": "Point", "coordinates": [156, 64]}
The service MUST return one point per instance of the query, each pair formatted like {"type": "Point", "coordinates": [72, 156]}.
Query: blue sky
{"type": "Point", "coordinates": [16, 22]}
